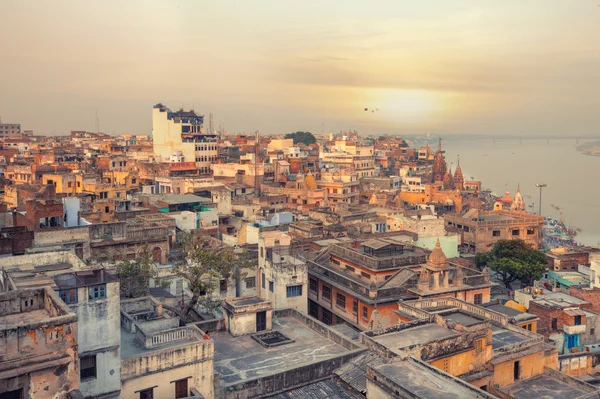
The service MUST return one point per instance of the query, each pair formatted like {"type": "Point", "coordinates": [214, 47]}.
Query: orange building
{"type": "Point", "coordinates": [360, 283]}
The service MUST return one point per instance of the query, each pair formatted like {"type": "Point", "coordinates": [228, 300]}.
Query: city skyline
{"type": "Point", "coordinates": [465, 68]}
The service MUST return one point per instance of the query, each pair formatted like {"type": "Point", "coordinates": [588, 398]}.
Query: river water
{"type": "Point", "coordinates": [572, 177]}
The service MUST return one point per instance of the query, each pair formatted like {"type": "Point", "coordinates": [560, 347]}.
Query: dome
{"type": "Point", "coordinates": [506, 198]}
{"type": "Point", "coordinates": [437, 258]}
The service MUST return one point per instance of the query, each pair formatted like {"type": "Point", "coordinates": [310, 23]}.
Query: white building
{"type": "Point", "coordinates": [282, 276]}
{"type": "Point", "coordinates": [181, 134]}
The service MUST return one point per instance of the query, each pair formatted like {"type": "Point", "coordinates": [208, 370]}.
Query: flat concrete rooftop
{"type": "Point", "coordinates": [489, 218]}
{"type": "Point", "coordinates": [463, 318]}
{"type": "Point", "coordinates": [23, 318]}
{"type": "Point", "coordinates": [502, 337]}
{"type": "Point", "coordinates": [544, 387]}
{"type": "Point", "coordinates": [241, 358]}
{"type": "Point", "coordinates": [411, 336]}
{"type": "Point", "coordinates": [424, 383]}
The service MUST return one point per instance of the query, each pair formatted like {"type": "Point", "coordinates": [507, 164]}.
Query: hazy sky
{"type": "Point", "coordinates": [447, 66]}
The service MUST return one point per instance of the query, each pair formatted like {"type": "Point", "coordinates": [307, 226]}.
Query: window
{"type": "Point", "coordinates": [350, 269]}
{"type": "Point", "coordinates": [97, 292]}
{"type": "Point", "coordinates": [118, 195]}
{"type": "Point", "coordinates": [147, 393]}
{"type": "Point", "coordinates": [87, 367]}
{"type": "Point", "coordinates": [181, 389]}
{"type": "Point", "coordinates": [516, 370]}
{"type": "Point", "coordinates": [530, 231]}
{"type": "Point", "coordinates": [263, 280]}
{"type": "Point", "coordinates": [355, 307]}
{"type": "Point", "coordinates": [68, 296]}
{"type": "Point", "coordinates": [223, 286]}
{"type": "Point", "coordinates": [250, 282]}
{"type": "Point", "coordinates": [515, 232]}
{"type": "Point", "coordinates": [78, 184]}
{"type": "Point", "coordinates": [577, 320]}
{"type": "Point", "coordinates": [554, 324]}
{"type": "Point", "coordinates": [271, 286]}
{"type": "Point", "coordinates": [133, 181]}
{"type": "Point", "coordinates": [293, 290]}
{"type": "Point", "coordinates": [313, 286]}
{"type": "Point", "coordinates": [340, 301]}
{"type": "Point", "coordinates": [365, 275]}
{"type": "Point", "coordinates": [365, 313]}
{"type": "Point", "coordinates": [326, 292]}
{"type": "Point", "coordinates": [107, 209]}
{"type": "Point", "coordinates": [593, 332]}
{"type": "Point", "coordinates": [496, 233]}
{"type": "Point", "coordinates": [335, 261]}
{"type": "Point", "coordinates": [69, 184]}
{"type": "Point", "coordinates": [478, 299]}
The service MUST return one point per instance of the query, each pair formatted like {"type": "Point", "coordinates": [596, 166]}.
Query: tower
{"type": "Point", "coordinates": [439, 165]}
{"type": "Point", "coordinates": [518, 204]}
{"type": "Point", "coordinates": [459, 180]}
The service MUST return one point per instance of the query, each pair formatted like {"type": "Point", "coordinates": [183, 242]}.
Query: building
{"type": "Point", "coordinates": [9, 130]}
{"type": "Point", "coordinates": [39, 347]}
{"type": "Point", "coordinates": [183, 132]}
{"type": "Point", "coordinates": [361, 282]}
{"type": "Point", "coordinates": [282, 273]}
{"type": "Point", "coordinates": [161, 359]}
{"type": "Point", "coordinates": [93, 295]}
{"type": "Point", "coordinates": [477, 345]}
{"type": "Point", "coordinates": [480, 230]}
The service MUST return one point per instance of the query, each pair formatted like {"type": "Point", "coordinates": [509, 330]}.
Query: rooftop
{"type": "Point", "coordinates": [241, 358]}
{"type": "Point", "coordinates": [423, 382]}
{"type": "Point", "coordinates": [463, 319]}
{"type": "Point", "coordinates": [413, 336]}
{"type": "Point", "coordinates": [331, 388]}
{"type": "Point", "coordinates": [544, 387]}
{"type": "Point", "coordinates": [176, 199]}
{"type": "Point", "coordinates": [502, 337]}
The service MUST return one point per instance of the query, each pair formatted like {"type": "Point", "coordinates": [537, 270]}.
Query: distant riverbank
{"type": "Point", "coordinates": [592, 148]}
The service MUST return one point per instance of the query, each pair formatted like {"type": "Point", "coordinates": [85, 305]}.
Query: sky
{"type": "Point", "coordinates": [512, 67]}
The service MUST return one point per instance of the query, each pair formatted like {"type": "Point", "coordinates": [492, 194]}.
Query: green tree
{"type": "Point", "coordinates": [302, 137]}
{"type": "Point", "coordinates": [202, 267]}
{"type": "Point", "coordinates": [513, 260]}
{"type": "Point", "coordinates": [134, 274]}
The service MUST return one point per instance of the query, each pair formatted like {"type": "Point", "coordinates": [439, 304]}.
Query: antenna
{"type": "Point", "coordinates": [97, 122]}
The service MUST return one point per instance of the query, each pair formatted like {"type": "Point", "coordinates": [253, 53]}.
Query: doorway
{"type": "Point", "coordinates": [261, 321]}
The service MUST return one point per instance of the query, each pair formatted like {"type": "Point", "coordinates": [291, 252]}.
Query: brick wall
{"type": "Point", "coordinates": [589, 295]}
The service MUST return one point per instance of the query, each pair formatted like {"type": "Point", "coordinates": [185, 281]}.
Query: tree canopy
{"type": "Point", "coordinates": [301, 137]}
{"type": "Point", "coordinates": [204, 266]}
{"type": "Point", "coordinates": [134, 274]}
{"type": "Point", "coordinates": [513, 260]}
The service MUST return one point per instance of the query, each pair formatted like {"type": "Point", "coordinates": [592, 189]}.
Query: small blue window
{"type": "Point", "coordinates": [97, 292]}
{"type": "Point", "coordinates": [68, 296]}
{"type": "Point", "coordinates": [294, 290]}
{"type": "Point", "coordinates": [271, 286]}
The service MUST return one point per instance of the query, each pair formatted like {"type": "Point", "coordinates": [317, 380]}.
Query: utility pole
{"type": "Point", "coordinates": [541, 186]}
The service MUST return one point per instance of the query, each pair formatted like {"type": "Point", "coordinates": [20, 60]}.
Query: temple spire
{"type": "Point", "coordinates": [440, 144]}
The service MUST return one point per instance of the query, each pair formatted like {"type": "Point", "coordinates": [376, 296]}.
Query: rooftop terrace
{"type": "Point", "coordinates": [241, 358]}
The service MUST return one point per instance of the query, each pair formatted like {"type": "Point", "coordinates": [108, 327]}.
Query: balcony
{"type": "Point", "coordinates": [580, 329]}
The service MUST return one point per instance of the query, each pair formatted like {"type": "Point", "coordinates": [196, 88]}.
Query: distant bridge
{"type": "Point", "coordinates": [547, 139]}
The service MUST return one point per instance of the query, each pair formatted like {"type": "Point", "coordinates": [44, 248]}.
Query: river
{"type": "Point", "coordinates": [572, 177]}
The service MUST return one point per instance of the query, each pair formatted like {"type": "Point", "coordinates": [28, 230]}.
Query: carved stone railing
{"type": "Point", "coordinates": [158, 338]}
{"type": "Point", "coordinates": [496, 317]}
